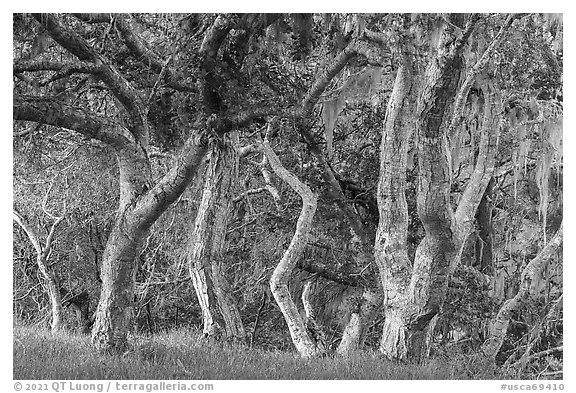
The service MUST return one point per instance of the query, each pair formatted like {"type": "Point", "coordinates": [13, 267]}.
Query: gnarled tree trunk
{"type": "Point", "coordinates": [415, 294]}
{"type": "Point", "coordinates": [390, 248]}
{"type": "Point", "coordinates": [139, 208]}
{"type": "Point", "coordinates": [305, 344]}
{"type": "Point", "coordinates": [207, 247]}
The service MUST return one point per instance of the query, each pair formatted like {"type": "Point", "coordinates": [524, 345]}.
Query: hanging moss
{"type": "Point", "coordinates": [551, 155]}
{"type": "Point", "coordinates": [360, 87]}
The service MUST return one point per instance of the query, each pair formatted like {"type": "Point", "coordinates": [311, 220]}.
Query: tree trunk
{"type": "Point", "coordinates": [355, 331]}
{"type": "Point", "coordinates": [390, 248]}
{"type": "Point", "coordinates": [55, 301]}
{"type": "Point", "coordinates": [208, 246]}
{"type": "Point", "coordinates": [197, 257]}
{"type": "Point", "coordinates": [50, 279]}
{"type": "Point", "coordinates": [314, 328]}
{"type": "Point", "coordinates": [483, 169]}
{"type": "Point", "coordinates": [114, 312]}
{"type": "Point", "coordinates": [279, 281]}
{"type": "Point", "coordinates": [140, 206]}
{"type": "Point", "coordinates": [414, 295]}
{"type": "Point", "coordinates": [226, 176]}
{"type": "Point", "coordinates": [124, 245]}
{"type": "Point", "coordinates": [531, 272]}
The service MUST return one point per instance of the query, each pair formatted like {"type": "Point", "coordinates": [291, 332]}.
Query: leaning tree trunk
{"type": "Point", "coordinates": [483, 169]}
{"type": "Point", "coordinates": [140, 206]}
{"type": "Point", "coordinates": [206, 249]}
{"type": "Point", "coordinates": [114, 312]}
{"type": "Point", "coordinates": [50, 279]}
{"type": "Point", "coordinates": [124, 245]}
{"type": "Point", "coordinates": [531, 272]}
{"type": "Point", "coordinates": [305, 345]}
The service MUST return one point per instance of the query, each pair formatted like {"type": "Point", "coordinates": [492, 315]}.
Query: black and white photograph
{"type": "Point", "coordinates": [209, 197]}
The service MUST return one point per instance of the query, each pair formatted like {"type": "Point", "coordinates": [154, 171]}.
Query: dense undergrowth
{"type": "Point", "coordinates": [181, 354]}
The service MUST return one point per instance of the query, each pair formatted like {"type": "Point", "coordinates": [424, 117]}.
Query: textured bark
{"type": "Point", "coordinates": [390, 248]}
{"type": "Point", "coordinates": [361, 317]}
{"type": "Point", "coordinates": [207, 248]}
{"type": "Point", "coordinates": [435, 253]}
{"type": "Point", "coordinates": [139, 207]}
{"type": "Point", "coordinates": [415, 295]}
{"type": "Point", "coordinates": [314, 328]}
{"type": "Point", "coordinates": [114, 312]}
{"type": "Point", "coordinates": [50, 279]}
{"type": "Point", "coordinates": [531, 272]}
{"type": "Point", "coordinates": [198, 261]}
{"type": "Point", "coordinates": [279, 281]}
{"type": "Point", "coordinates": [50, 111]}
{"type": "Point", "coordinates": [483, 170]}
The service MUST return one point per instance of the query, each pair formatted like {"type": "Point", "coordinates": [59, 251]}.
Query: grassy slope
{"type": "Point", "coordinates": [39, 354]}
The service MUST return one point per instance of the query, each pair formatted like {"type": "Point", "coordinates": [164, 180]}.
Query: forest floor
{"type": "Point", "coordinates": [180, 354]}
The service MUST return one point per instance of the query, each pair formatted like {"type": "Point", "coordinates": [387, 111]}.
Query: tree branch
{"type": "Point", "coordinates": [485, 162]}
{"type": "Point", "coordinates": [251, 191]}
{"type": "Point", "coordinates": [143, 53]}
{"type": "Point", "coordinates": [323, 271]}
{"type": "Point", "coordinates": [544, 353]}
{"type": "Point", "coordinates": [51, 65]}
{"type": "Point", "coordinates": [56, 113]}
{"type": "Point", "coordinates": [268, 180]}
{"type": "Point", "coordinates": [50, 238]}
{"type": "Point", "coordinates": [94, 18]}
{"type": "Point", "coordinates": [119, 86]}
{"type": "Point", "coordinates": [183, 171]}
{"type": "Point", "coordinates": [322, 81]}
{"type": "Point", "coordinates": [530, 273]}
{"type": "Point", "coordinates": [30, 232]}
{"type": "Point", "coordinates": [471, 76]}
{"type": "Point", "coordinates": [375, 37]}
